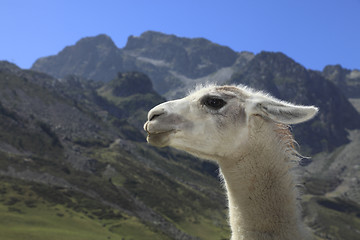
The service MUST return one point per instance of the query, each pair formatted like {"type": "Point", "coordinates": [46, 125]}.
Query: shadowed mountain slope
{"type": "Point", "coordinates": [69, 149]}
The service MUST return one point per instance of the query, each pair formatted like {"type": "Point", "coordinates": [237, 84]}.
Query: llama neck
{"type": "Point", "coordinates": [261, 193]}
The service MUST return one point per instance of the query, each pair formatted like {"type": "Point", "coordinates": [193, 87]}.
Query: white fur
{"type": "Point", "coordinates": [248, 137]}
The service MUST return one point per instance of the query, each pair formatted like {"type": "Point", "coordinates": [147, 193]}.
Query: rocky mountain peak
{"type": "Point", "coordinates": [151, 38]}
{"type": "Point", "coordinates": [335, 73]}
{"type": "Point", "coordinates": [192, 57]}
{"type": "Point", "coordinates": [347, 80]}
{"type": "Point", "coordinates": [87, 58]}
{"type": "Point", "coordinates": [6, 66]}
{"type": "Point", "coordinates": [99, 46]}
{"type": "Point", "coordinates": [278, 62]}
{"type": "Point", "coordinates": [148, 38]}
{"type": "Point", "coordinates": [101, 39]}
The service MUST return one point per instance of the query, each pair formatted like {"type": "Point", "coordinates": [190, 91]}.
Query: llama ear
{"type": "Point", "coordinates": [283, 112]}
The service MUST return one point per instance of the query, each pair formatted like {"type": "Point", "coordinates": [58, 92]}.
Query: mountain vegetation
{"type": "Point", "coordinates": [70, 151]}
{"type": "Point", "coordinates": [74, 163]}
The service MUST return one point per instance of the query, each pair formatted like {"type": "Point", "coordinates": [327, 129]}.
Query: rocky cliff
{"type": "Point", "coordinates": [347, 80]}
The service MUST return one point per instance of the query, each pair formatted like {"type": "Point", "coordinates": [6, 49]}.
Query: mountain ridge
{"type": "Point", "coordinates": [347, 80]}
{"type": "Point", "coordinates": [289, 81]}
{"type": "Point", "coordinates": [176, 65]}
{"type": "Point", "coordinates": [104, 49]}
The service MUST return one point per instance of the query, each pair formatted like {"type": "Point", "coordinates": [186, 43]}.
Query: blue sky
{"type": "Point", "coordinates": [314, 33]}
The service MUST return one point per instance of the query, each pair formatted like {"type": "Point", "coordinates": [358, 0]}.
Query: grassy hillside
{"type": "Point", "coordinates": [72, 166]}
{"type": "Point", "coordinates": [26, 214]}
{"type": "Point", "coordinates": [333, 218]}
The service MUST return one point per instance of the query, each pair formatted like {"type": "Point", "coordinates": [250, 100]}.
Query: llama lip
{"type": "Point", "coordinates": [160, 130]}
{"type": "Point", "coordinates": [159, 139]}
{"type": "Point", "coordinates": [160, 133]}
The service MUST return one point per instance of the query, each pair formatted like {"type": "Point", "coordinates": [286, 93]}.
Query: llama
{"type": "Point", "coordinates": [246, 133]}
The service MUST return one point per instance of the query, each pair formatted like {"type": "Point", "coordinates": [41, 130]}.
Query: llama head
{"type": "Point", "coordinates": [213, 122]}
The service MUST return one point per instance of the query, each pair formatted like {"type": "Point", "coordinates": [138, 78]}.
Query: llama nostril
{"type": "Point", "coordinates": [156, 113]}
{"type": "Point", "coordinates": [155, 116]}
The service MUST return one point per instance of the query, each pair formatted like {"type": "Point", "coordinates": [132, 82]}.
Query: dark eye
{"type": "Point", "coordinates": [214, 102]}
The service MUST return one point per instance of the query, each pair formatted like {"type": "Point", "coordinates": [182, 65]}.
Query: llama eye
{"type": "Point", "coordinates": [214, 103]}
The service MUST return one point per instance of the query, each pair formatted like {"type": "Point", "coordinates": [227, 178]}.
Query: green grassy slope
{"type": "Point", "coordinates": [26, 215]}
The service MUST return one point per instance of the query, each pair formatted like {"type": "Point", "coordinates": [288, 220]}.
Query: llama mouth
{"type": "Point", "coordinates": [160, 134]}
{"type": "Point", "coordinates": [157, 132]}
{"type": "Point", "coordinates": [159, 139]}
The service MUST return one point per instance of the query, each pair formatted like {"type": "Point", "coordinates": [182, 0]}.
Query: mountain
{"type": "Point", "coordinates": [285, 79]}
{"type": "Point", "coordinates": [95, 58]}
{"type": "Point", "coordinates": [73, 161]}
{"type": "Point", "coordinates": [175, 65]}
{"type": "Point", "coordinates": [171, 62]}
{"type": "Point", "coordinates": [120, 100]}
{"type": "Point", "coordinates": [347, 80]}
{"type": "Point", "coordinates": [194, 57]}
